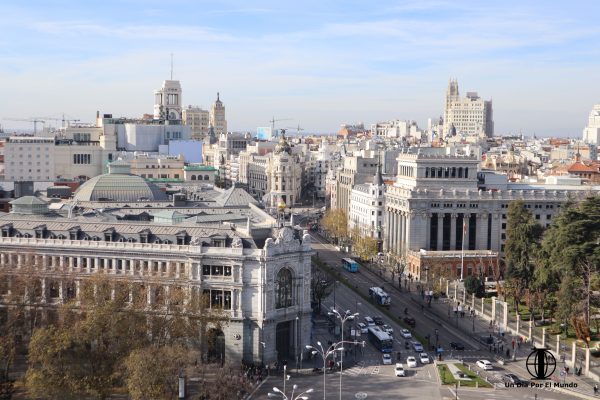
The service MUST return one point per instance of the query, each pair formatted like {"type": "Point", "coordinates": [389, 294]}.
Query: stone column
{"type": "Point", "coordinates": [45, 262]}
{"type": "Point", "coordinates": [409, 216]}
{"type": "Point", "coordinates": [482, 222]}
{"type": "Point", "coordinates": [88, 265]}
{"type": "Point", "coordinates": [115, 264]}
{"type": "Point", "coordinates": [44, 297]}
{"type": "Point", "coordinates": [518, 324]}
{"type": "Point", "coordinates": [149, 295]}
{"type": "Point", "coordinates": [386, 231]}
{"type": "Point", "coordinates": [427, 218]}
{"type": "Point", "coordinates": [402, 235]}
{"type": "Point", "coordinates": [473, 302]}
{"type": "Point", "coordinates": [574, 354]}
{"type": "Point", "coordinates": [587, 362]}
{"type": "Point", "coordinates": [440, 231]}
{"type": "Point", "coordinates": [531, 331]}
{"type": "Point", "coordinates": [467, 221]}
{"type": "Point", "coordinates": [493, 308]}
{"type": "Point", "coordinates": [453, 231]}
{"type": "Point", "coordinates": [97, 263]}
{"type": "Point", "coordinates": [77, 290]}
{"type": "Point", "coordinates": [558, 345]}
{"type": "Point", "coordinates": [505, 316]}
{"type": "Point", "coordinates": [455, 291]}
{"type": "Point", "coordinates": [482, 306]}
{"type": "Point", "coordinates": [447, 287]}
{"type": "Point", "coordinates": [543, 337]}
{"type": "Point", "coordinates": [61, 296]}
{"type": "Point", "coordinates": [79, 263]}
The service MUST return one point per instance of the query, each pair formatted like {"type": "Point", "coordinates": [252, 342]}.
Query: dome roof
{"type": "Point", "coordinates": [119, 185]}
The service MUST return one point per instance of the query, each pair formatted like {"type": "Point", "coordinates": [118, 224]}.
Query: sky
{"type": "Point", "coordinates": [317, 64]}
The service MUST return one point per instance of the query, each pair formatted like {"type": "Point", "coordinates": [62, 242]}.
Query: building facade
{"type": "Point", "coordinates": [469, 115]}
{"type": "Point", "coordinates": [257, 275]}
{"type": "Point", "coordinates": [167, 101]}
{"type": "Point", "coordinates": [367, 207]}
{"type": "Point", "coordinates": [217, 117]}
{"type": "Point", "coordinates": [198, 120]}
{"type": "Point", "coordinates": [591, 133]}
{"type": "Point", "coordinates": [440, 203]}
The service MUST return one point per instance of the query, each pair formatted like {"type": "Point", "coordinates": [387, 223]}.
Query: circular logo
{"type": "Point", "coordinates": [360, 395]}
{"type": "Point", "coordinates": [541, 364]}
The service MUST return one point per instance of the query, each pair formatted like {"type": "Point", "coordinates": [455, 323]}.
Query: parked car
{"type": "Point", "coordinates": [484, 364]}
{"type": "Point", "coordinates": [378, 320]}
{"type": "Point", "coordinates": [418, 347]}
{"type": "Point", "coordinates": [424, 358]}
{"type": "Point", "coordinates": [457, 346]}
{"type": "Point", "coordinates": [400, 370]}
{"type": "Point", "coordinates": [388, 329]}
{"type": "Point", "coordinates": [369, 321]}
{"type": "Point", "coordinates": [387, 359]}
{"type": "Point", "coordinates": [406, 334]}
{"type": "Point", "coordinates": [363, 327]}
{"type": "Point", "coordinates": [512, 378]}
{"type": "Point", "coordinates": [411, 362]}
{"type": "Point", "coordinates": [410, 321]}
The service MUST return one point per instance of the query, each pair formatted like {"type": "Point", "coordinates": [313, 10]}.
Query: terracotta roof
{"type": "Point", "coordinates": [581, 167]}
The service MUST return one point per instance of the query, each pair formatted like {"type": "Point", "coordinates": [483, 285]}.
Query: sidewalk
{"type": "Point", "coordinates": [443, 310]}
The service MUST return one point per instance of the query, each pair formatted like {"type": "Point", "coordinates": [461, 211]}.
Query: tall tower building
{"type": "Point", "coordinates": [591, 134]}
{"type": "Point", "coordinates": [167, 101]}
{"type": "Point", "coordinates": [217, 117]}
{"type": "Point", "coordinates": [470, 115]}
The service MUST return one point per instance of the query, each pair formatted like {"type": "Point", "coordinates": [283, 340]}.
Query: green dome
{"type": "Point", "coordinates": [119, 186]}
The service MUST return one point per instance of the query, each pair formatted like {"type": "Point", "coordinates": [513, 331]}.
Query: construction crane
{"type": "Point", "coordinates": [62, 120]}
{"type": "Point", "coordinates": [35, 121]}
{"type": "Point", "coordinates": [297, 128]}
{"type": "Point", "coordinates": [272, 121]}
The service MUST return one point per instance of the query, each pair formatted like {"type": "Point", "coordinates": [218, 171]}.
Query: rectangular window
{"type": "Point", "coordinates": [206, 270]}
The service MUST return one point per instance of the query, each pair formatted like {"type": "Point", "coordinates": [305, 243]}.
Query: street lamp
{"type": "Point", "coordinates": [325, 354]}
{"type": "Point", "coordinates": [347, 316]}
{"type": "Point", "coordinates": [263, 345]}
{"type": "Point", "coordinates": [281, 394]}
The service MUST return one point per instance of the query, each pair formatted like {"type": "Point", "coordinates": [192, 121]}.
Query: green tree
{"type": "Point", "coordinates": [571, 248]}
{"type": "Point", "coordinates": [569, 296]}
{"type": "Point", "coordinates": [522, 241]}
{"type": "Point", "coordinates": [473, 285]}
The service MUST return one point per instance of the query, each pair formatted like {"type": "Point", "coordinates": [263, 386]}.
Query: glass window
{"type": "Point", "coordinates": [283, 289]}
{"type": "Point", "coordinates": [227, 270]}
{"type": "Point", "coordinates": [217, 270]}
{"type": "Point", "coordinates": [206, 270]}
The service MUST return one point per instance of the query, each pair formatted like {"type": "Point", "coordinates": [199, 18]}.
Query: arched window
{"type": "Point", "coordinates": [439, 174]}
{"type": "Point", "coordinates": [283, 289]}
{"type": "Point", "coordinates": [447, 172]}
{"type": "Point", "coordinates": [466, 172]}
{"type": "Point", "coordinates": [205, 177]}
{"type": "Point", "coordinates": [193, 177]}
{"type": "Point", "coordinates": [454, 172]}
{"type": "Point", "coordinates": [427, 172]}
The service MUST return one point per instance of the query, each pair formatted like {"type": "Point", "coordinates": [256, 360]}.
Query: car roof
{"type": "Point", "coordinates": [485, 361]}
{"type": "Point", "coordinates": [399, 365]}
{"type": "Point", "coordinates": [409, 357]}
{"type": "Point", "coordinates": [386, 356]}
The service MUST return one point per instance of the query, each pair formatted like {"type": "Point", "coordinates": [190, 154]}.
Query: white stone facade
{"type": "Point", "coordinates": [470, 115]}
{"type": "Point", "coordinates": [167, 101]}
{"type": "Point", "coordinates": [591, 134]}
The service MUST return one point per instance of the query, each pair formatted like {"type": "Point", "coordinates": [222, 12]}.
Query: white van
{"type": "Point", "coordinates": [363, 327]}
{"type": "Point", "coordinates": [369, 321]}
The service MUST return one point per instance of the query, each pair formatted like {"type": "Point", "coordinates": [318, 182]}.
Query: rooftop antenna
{"type": "Point", "coordinates": [171, 66]}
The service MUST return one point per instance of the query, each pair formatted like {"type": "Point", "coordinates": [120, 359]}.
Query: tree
{"type": "Point", "coordinates": [152, 371]}
{"type": "Point", "coordinates": [522, 238]}
{"type": "Point", "coordinates": [365, 247]}
{"type": "Point", "coordinates": [571, 248]}
{"type": "Point", "coordinates": [321, 286]}
{"type": "Point", "coordinates": [569, 301]}
{"type": "Point", "coordinates": [473, 285]}
{"type": "Point", "coordinates": [335, 221]}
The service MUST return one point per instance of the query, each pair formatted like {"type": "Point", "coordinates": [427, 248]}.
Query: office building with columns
{"type": "Point", "coordinates": [444, 214]}
{"type": "Point", "coordinates": [366, 208]}
{"type": "Point", "coordinates": [230, 251]}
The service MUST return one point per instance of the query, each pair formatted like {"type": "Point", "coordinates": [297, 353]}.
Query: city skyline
{"type": "Point", "coordinates": [319, 64]}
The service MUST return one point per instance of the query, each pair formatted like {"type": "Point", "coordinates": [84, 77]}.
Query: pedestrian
{"type": "Point", "coordinates": [507, 353]}
{"type": "Point", "coordinates": [595, 389]}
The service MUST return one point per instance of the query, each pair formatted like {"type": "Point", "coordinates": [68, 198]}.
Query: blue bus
{"type": "Point", "coordinates": [381, 339]}
{"type": "Point", "coordinates": [349, 264]}
{"type": "Point", "coordinates": [380, 296]}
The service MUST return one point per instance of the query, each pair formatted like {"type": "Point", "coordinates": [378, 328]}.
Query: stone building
{"type": "Point", "coordinates": [441, 206]}
{"type": "Point", "coordinates": [229, 250]}
{"type": "Point", "coordinates": [469, 115]}
{"type": "Point", "coordinates": [367, 206]}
